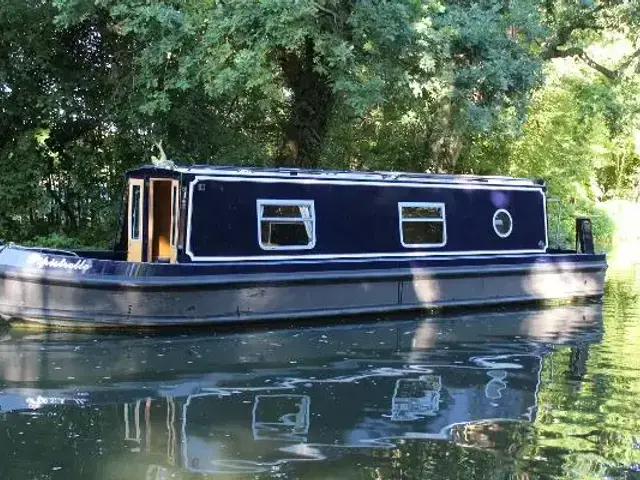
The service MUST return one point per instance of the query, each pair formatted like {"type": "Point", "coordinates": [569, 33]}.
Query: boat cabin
{"type": "Point", "coordinates": [225, 214]}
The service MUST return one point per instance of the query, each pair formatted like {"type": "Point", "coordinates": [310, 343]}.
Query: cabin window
{"type": "Point", "coordinates": [135, 212]}
{"type": "Point", "coordinates": [422, 224]}
{"type": "Point", "coordinates": [286, 224]}
{"type": "Point", "coordinates": [502, 223]}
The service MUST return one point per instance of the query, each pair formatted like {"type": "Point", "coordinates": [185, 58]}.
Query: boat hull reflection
{"type": "Point", "coordinates": [255, 400]}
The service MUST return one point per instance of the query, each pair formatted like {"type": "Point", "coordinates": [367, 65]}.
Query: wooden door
{"type": "Point", "coordinates": [134, 217]}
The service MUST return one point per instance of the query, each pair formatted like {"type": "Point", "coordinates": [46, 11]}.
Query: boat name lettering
{"type": "Point", "coordinates": [42, 261]}
{"type": "Point", "coordinates": [39, 401]}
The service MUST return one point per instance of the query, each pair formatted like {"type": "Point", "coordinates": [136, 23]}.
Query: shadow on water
{"type": "Point", "coordinates": [291, 401]}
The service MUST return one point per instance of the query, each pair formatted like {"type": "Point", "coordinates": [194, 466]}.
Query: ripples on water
{"type": "Point", "coordinates": [537, 393]}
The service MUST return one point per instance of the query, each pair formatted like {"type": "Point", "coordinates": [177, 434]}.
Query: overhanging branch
{"type": "Point", "coordinates": [607, 72]}
{"type": "Point", "coordinates": [586, 21]}
{"type": "Point", "coordinates": [611, 74]}
{"type": "Point", "coordinates": [624, 65]}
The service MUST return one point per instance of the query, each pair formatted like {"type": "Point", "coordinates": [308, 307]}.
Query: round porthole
{"type": "Point", "coordinates": [502, 223]}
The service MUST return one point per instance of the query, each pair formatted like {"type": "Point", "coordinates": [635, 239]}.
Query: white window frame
{"type": "Point", "coordinates": [493, 222]}
{"type": "Point", "coordinates": [132, 187]}
{"type": "Point", "coordinates": [442, 220]}
{"type": "Point", "coordinates": [260, 202]}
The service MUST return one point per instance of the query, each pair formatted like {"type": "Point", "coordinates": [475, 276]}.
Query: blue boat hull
{"type": "Point", "coordinates": [62, 290]}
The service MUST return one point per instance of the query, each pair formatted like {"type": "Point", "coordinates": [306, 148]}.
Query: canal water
{"type": "Point", "coordinates": [509, 394]}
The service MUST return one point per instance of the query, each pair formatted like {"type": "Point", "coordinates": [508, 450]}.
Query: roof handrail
{"type": "Point", "coordinates": [353, 174]}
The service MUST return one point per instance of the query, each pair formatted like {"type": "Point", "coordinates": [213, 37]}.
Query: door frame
{"type": "Point", "coordinates": [175, 212]}
{"type": "Point", "coordinates": [149, 223]}
{"type": "Point", "coordinates": [175, 219]}
{"type": "Point", "coordinates": [135, 246]}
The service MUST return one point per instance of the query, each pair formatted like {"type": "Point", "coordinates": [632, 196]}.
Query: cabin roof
{"type": "Point", "coordinates": [337, 175]}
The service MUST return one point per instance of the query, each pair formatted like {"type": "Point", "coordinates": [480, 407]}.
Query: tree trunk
{"type": "Point", "coordinates": [311, 102]}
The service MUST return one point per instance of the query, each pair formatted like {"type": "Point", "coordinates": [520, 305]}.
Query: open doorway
{"type": "Point", "coordinates": [161, 246]}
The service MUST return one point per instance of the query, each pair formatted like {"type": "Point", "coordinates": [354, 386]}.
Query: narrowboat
{"type": "Point", "coordinates": [210, 244]}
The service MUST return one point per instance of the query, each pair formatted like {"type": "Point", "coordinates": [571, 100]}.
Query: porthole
{"type": "Point", "coordinates": [502, 223]}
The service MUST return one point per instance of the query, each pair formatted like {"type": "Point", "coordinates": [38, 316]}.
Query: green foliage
{"type": "Point", "coordinates": [471, 75]}
{"type": "Point", "coordinates": [87, 87]}
{"type": "Point", "coordinates": [560, 142]}
{"type": "Point", "coordinates": [626, 232]}
{"type": "Point", "coordinates": [56, 240]}
{"type": "Point", "coordinates": [579, 137]}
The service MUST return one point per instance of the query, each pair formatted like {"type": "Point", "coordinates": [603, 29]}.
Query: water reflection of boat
{"type": "Point", "coordinates": [252, 401]}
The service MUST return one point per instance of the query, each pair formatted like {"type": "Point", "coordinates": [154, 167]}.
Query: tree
{"type": "Point", "coordinates": [299, 65]}
{"type": "Point", "coordinates": [575, 26]}
{"type": "Point", "coordinates": [283, 62]}
{"type": "Point", "coordinates": [87, 87]}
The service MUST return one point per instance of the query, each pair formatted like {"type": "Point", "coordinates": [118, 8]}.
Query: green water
{"type": "Point", "coordinates": [510, 394]}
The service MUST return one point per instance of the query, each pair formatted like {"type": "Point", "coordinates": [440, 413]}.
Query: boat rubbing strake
{"type": "Point", "coordinates": [209, 244]}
